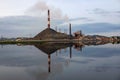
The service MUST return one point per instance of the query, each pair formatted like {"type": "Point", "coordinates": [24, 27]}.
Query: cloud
{"type": "Point", "coordinates": [100, 11]}
{"type": "Point", "coordinates": [81, 19]}
{"type": "Point", "coordinates": [103, 12]}
{"type": "Point", "coordinates": [93, 28]}
{"type": "Point", "coordinates": [40, 10]}
{"type": "Point", "coordinates": [17, 26]}
{"type": "Point", "coordinates": [118, 12]}
{"type": "Point", "coordinates": [110, 33]}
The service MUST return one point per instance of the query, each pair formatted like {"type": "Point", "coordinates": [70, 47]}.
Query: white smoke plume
{"type": "Point", "coordinates": [40, 10]}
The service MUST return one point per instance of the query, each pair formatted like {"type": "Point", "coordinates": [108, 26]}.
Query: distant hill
{"type": "Point", "coordinates": [16, 26]}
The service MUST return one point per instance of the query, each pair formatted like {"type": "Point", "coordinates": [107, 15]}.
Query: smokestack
{"type": "Point", "coordinates": [59, 30]}
{"type": "Point", "coordinates": [48, 18]}
{"type": "Point", "coordinates": [70, 30]}
{"type": "Point", "coordinates": [56, 28]}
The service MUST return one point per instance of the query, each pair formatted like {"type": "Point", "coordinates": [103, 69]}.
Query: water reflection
{"type": "Point", "coordinates": [50, 48]}
{"type": "Point", "coordinates": [93, 60]}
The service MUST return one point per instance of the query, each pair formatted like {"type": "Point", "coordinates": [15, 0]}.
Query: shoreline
{"type": "Point", "coordinates": [54, 41]}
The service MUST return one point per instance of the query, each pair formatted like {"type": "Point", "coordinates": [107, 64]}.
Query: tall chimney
{"type": "Point", "coordinates": [70, 30]}
{"type": "Point", "coordinates": [56, 28]}
{"type": "Point", "coordinates": [48, 18]}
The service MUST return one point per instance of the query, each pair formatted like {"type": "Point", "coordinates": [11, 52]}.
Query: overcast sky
{"type": "Point", "coordinates": [77, 11]}
{"type": "Point", "coordinates": [100, 10]}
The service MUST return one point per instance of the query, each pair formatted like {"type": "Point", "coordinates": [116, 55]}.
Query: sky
{"type": "Point", "coordinates": [27, 15]}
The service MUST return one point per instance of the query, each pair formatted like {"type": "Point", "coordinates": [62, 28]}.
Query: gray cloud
{"type": "Point", "coordinates": [118, 12]}
{"type": "Point", "coordinates": [100, 11]}
{"type": "Point", "coordinates": [40, 10]}
{"type": "Point", "coordinates": [17, 26]}
{"type": "Point", "coordinates": [82, 19]}
{"type": "Point", "coordinates": [25, 26]}
{"type": "Point", "coordinates": [91, 28]}
{"type": "Point", "coordinates": [103, 12]}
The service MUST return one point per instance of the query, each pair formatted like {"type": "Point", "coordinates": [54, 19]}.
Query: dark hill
{"type": "Point", "coordinates": [50, 48]}
{"type": "Point", "coordinates": [49, 33]}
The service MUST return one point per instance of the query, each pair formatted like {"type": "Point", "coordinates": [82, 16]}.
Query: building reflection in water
{"type": "Point", "coordinates": [40, 73]}
{"type": "Point", "coordinates": [79, 46]}
{"type": "Point", "coordinates": [50, 48]}
{"type": "Point", "coordinates": [2, 45]}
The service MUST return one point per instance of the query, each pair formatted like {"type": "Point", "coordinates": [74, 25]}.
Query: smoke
{"type": "Point", "coordinates": [42, 6]}
{"type": "Point", "coordinates": [40, 10]}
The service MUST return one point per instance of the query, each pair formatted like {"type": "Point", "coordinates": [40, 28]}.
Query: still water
{"type": "Point", "coordinates": [60, 62]}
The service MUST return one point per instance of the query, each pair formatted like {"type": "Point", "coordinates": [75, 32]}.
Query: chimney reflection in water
{"type": "Point", "coordinates": [49, 58]}
{"type": "Point", "coordinates": [49, 63]}
{"type": "Point", "coordinates": [70, 51]}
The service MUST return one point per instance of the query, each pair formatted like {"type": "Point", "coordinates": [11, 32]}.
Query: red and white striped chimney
{"type": "Point", "coordinates": [48, 18]}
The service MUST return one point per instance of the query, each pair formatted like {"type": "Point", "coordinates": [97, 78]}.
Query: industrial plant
{"type": "Point", "coordinates": [49, 33]}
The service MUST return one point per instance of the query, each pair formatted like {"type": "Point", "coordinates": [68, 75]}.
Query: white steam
{"type": "Point", "coordinates": [40, 10]}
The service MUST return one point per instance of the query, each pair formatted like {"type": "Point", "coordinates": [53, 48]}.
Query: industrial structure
{"type": "Point", "coordinates": [47, 49]}
{"type": "Point", "coordinates": [78, 35]}
{"type": "Point", "coordinates": [49, 33]}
